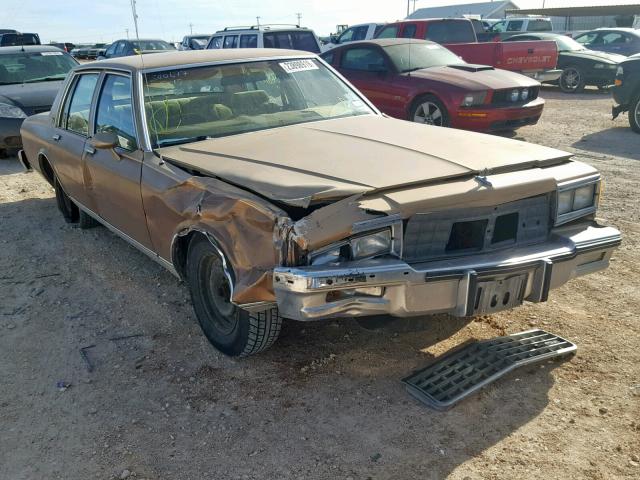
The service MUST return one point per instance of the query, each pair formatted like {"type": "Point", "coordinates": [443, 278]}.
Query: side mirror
{"type": "Point", "coordinates": [104, 140]}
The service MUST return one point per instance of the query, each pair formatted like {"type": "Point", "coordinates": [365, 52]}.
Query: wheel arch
{"type": "Point", "coordinates": [46, 168]}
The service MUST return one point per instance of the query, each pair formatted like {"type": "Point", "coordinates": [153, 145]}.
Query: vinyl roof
{"type": "Point", "coordinates": [178, 58]}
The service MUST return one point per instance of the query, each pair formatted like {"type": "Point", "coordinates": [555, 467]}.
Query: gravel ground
{"type": "Point", "coordinates": [326, 401]}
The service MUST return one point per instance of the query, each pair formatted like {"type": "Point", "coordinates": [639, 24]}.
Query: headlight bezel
{"type": "Point", "coordinates": [567, 192]}
{"type": "Point", "coordinates": [474, 99]}
{"type": "Point", "coordinates": [5, 108]}
{"type": "Point", "coordinates": [343, 251]}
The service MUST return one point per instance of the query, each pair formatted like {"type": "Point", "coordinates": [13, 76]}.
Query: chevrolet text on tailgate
{"type": "Point", "coordinates": [275, 189]}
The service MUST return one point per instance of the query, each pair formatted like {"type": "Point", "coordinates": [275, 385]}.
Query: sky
{"type": "Point", "coordinates": [84, 21]}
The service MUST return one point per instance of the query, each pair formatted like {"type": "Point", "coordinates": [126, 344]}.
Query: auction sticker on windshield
{"type": "Point", "coordinates": [298, 66]}
{"type": "Point", "coordinates": [46, 54]}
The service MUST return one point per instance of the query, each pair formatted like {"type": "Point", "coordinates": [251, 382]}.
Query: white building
{"type": "Point", "coordinates": [481, 10]}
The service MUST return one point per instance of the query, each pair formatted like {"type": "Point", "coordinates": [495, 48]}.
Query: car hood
{"type": "Point", "coordinates": [326, 160]}
{"type": "Point", "coordinates": [595, 55]}
{"type": "Point", "coordinates": [473, 78]}
{"type": "Point", "coordinates": [29, 95]}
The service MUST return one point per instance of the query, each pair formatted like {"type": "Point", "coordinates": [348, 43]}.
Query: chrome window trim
{"type": "Point", "coordinates": [561, 219]}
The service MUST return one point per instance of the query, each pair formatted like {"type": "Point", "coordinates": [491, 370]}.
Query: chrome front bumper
{"type": "Point", "coordinates": [389, 286]}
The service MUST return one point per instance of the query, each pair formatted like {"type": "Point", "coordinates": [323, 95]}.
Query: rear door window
{"type": "Point", "coordinates": [230, 41]}
{"type": "Point", "coordinates": [450, 31]}
{"type": "Point", "coordinates": [76, 113]}
{"type": "Point", "coordinates": [249, 41]}
{"type": "Point", "coordinates": [613, 38]}
{"type": "Point", "coordinates": [390, 31]}
{"type": "Point", "coordinates": [515, 26]}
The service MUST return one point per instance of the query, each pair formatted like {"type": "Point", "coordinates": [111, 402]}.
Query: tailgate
{"type": "Point", "coordinates": [529, 56]}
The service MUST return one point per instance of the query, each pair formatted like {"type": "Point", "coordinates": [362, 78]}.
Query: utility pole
{"type": "Point", "coordinates": [135, 17]}
{"type": "Point", "coordinates": [299, 15]}
{"type": "Point", "coordinates": [191, 28]}
{"type": "Point", "coordinates": [127, 31]}
{"type": "Point", "coordinates": [258, 21]}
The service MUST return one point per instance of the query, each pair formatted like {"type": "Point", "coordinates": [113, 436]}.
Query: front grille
{"type": "Point", "coordinates": [458, 232]}
{"type": "Point", "coordinates": [503, 97]}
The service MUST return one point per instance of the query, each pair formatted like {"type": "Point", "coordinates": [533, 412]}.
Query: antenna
{"type": "Point", "coordinates": [127, 32]}
{"type": "Point", "coordinates": [299, 15]}
{"type": "Point", "coordinates": [258, 21]}
{"type": "Point", "coordinates": [135, 17]}
{"type": "Point", "coordinates": [191, 27]}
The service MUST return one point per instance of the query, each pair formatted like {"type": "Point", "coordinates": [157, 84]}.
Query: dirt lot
{"type": "Point", "coordinates": [326, 401]}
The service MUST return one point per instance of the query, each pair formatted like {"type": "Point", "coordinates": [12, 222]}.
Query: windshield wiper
{"type": "Point", "coordinates": [412, 69]}
{"type": "Point", "coordinates": [45, 79]}
{"type": "Point", "coordinates": [179, 141]}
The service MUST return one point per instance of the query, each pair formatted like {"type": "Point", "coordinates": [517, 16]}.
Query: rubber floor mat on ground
{"type": "Point", "coordinates": [458, 374]}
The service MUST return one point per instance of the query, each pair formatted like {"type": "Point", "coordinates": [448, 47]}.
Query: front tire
{"type": "Point", "coordinates": [232, 330]}
{"type": "Point", "coordinates": [634, 115]}
{"type": "Point", "coordinates": [572, 80]}
{"type": "Point", "coordinates": [428, 109]}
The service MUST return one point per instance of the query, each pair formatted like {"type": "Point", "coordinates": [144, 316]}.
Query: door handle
{"type": "Point", "coordinates": [90, 150]}
{"type": "Point", "coordinates": [56, 138]}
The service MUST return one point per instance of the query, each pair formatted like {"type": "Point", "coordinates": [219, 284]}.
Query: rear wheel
{"type": "Point", "coordinates": [634, 114]}
{"type": "Point", "coordinates": [428, 109]}
{"type": "Point", "coordinates": [232, 330]}
{"type": "Point", "coordinates": [572, 80]}
{"type": "Point", "coordinates": [66, 206]}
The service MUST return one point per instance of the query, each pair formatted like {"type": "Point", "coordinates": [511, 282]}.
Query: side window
{"type": "Point", "coordinates": [388, 32]}
{"type": "Point", "coordinates": [111, 50]}
{"type": "Point", "coordinates": [363, 59]}
{"type": "Point", "coordinates": [499, 27]}
{"type": "Point", "coordinates": [360, 33]}
{"type": "Point", "coordinates": [230, 41]}
{"type": "Point", "coordinates": [216, 42]}
{"type": "Point", "coordinates": [409, 30]}
{"type": "Point", "coordinates": [115, 113]}
{"type": "Point", "coordinates": [451, 31]}
{"type": "Point", "coordinates": [514, 26]}
{"type": "Point", "coordinates": [76, 113]}
{"type": "Point", "coordinates": [613, 38]}
{"type": "Point", "coordinates": [587, 38]}
{"type": "Point", "coordinates": [248, 41]}
{"type": "Point", "coordinates": [347, 35]}
{"type": "Point", "coordinates": [120, 48]}
{"type": "Point", "coordinates": [377, 30]}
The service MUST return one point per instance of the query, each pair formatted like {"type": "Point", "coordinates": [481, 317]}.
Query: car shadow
{"type": "Point", "coordinates": [619, 141]}
{"type": "Point", "coordinates": [10, 166]}
{"type": "Point", "coordinates": [331, 380]}
{"type": "Point", "coordinates": [589, 93]}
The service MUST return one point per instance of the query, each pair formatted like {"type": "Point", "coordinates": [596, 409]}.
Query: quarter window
{"type": "Point", "coordinates": [389, 32]}
{"type": "Point", "coordinates": [248, 41]}
{"type": "Point", "coordinates": [76, 113]}
{"type": "Point", "coordinates": [115, 113]}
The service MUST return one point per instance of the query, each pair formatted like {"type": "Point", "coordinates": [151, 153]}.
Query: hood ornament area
{"type": "Point", "coordinates": [482, 178]}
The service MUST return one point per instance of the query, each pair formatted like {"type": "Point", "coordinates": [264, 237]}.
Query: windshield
{"type": "Point", "coordinates": [566, 44]}
{"type": "Point", "coordinates": [189, 104]}
{"type": "Point", "coordinates": [414, 56]}
{"type": "Point", "coordinates": [30, 67]}
{"type": "Point", "coordinates": [145, 45]}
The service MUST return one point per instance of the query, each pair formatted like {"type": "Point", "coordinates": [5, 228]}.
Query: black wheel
{"type": "Point", "coordinates": [428, 109]}
{"type": "Point", "coordinates": [66, 206]}
{"type": "Point", "coordinates": [233, 331]}
{"type": "Point", "coordinates": [634, 114]}
{"type": "Point", "coordinates": [86, 221]}
{"type": "Point", "coordinates": [3, 153]}
{"type": "Point", "coordinates": [571, 80]}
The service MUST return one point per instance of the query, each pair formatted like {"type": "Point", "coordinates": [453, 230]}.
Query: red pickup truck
{"type": "Point", "coordinates": [536, 59]}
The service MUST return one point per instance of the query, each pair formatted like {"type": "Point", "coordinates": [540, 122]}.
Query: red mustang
{"type": "Point", "coordinates": [424, 82]}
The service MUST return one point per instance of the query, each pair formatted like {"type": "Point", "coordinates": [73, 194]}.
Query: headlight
{"type": "Point", "coordinates": [525, 94]}
{"type": "Point", "coordinates": [599, 65]}
{"type": "Point", "coordinates": [11, 111]}
{"type": "Point", "coordinates": [575, 202]}
{"type": "Point", "coordinates": [475, 98]}
{"type": "Point", "coordinates": [357, 248]}
{"type": "Point", "coordinates": [514, 95]}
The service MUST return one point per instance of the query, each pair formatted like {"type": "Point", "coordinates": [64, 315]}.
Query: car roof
{"type": "Point", "coordinates": [263, 29]}
{"type": "Point", "coordinates": [386, 42]}
{"type": "Point", "coordinates": [29, 48]}
{"type": "Point", "coordinates": [178, 58]}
